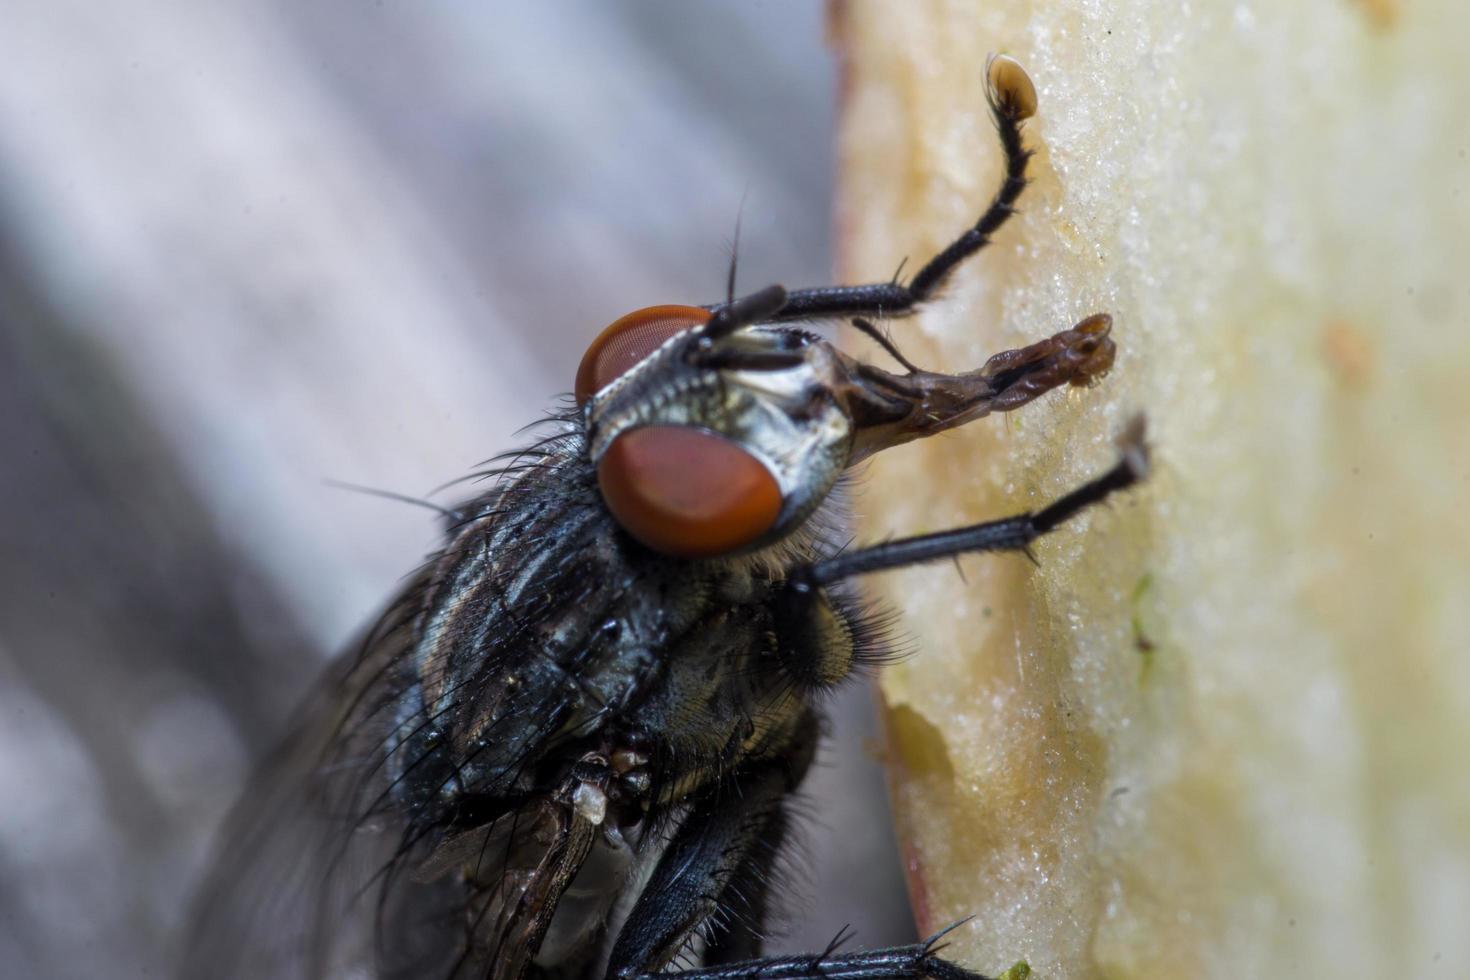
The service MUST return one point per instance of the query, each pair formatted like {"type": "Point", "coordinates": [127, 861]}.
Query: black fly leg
{"type": "Point", "coordinates": [730, 833]}
{"type": "Point", "coordinates": [745, 901]}
{"type": "Point", "coordinates": [724, 836]}
{"type": "Point", "coordinates": [919, 961]}
{"type": "Point", "coordinates": [1008, 534]}
{"type": "Point", "coordinates": [1010, 109]}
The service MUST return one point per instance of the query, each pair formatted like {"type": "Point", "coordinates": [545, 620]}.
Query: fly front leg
{"type": "Point", "coordinates": [714, 869]}
{"type": "Point", "coordinates": [1007, 534]}
{"type": "Point", "coordinates": [718, 856]}
{"type": "Point", "coordinates": [1012, 99]}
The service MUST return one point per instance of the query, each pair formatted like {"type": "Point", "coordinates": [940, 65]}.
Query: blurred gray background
{"type": "Point", "coordinates": [250, 246]}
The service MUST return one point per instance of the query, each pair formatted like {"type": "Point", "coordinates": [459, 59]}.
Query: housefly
{"type": "Point", "coordinates": [567, 749]}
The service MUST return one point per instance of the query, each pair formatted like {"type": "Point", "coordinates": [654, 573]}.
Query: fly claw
{"type": "Point", "coordinates": [623, 708]}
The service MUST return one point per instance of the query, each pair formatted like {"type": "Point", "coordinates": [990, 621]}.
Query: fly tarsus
{"type": "Point", "coordinates": [1007, 534]}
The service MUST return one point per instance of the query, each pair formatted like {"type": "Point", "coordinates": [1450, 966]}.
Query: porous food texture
{"type": "Point", "coordinates": [1219, 730]}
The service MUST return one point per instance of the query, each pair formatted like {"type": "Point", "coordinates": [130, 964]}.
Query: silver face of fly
{"type": "Point", "coordinates": [769, 400]}
{"type": "Point", "coordinates": [566, 750]}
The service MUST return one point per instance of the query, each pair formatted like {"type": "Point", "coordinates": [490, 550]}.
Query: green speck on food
{"type": "Point", "coordinates": [1020, 971]}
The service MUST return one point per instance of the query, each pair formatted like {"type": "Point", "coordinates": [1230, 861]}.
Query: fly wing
{"type": "Point", "coordinates": [384, 839]}
{"type": "Point", "coordinates": [412, 825]}
{"type": "Point", "coordinates": [311, 863]}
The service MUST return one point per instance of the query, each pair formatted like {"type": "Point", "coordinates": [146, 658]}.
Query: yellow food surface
{"type": "Point", "coordinates": [1222, 729]}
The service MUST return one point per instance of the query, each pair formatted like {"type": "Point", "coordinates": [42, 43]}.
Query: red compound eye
{"type": "Point", "coordinates": [687, 492]}
{"type": "Point", "coordinates": [628, 341]}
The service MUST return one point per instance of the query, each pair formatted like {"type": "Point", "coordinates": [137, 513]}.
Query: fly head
{"type": "Point", "coordinates": [719, 431]}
